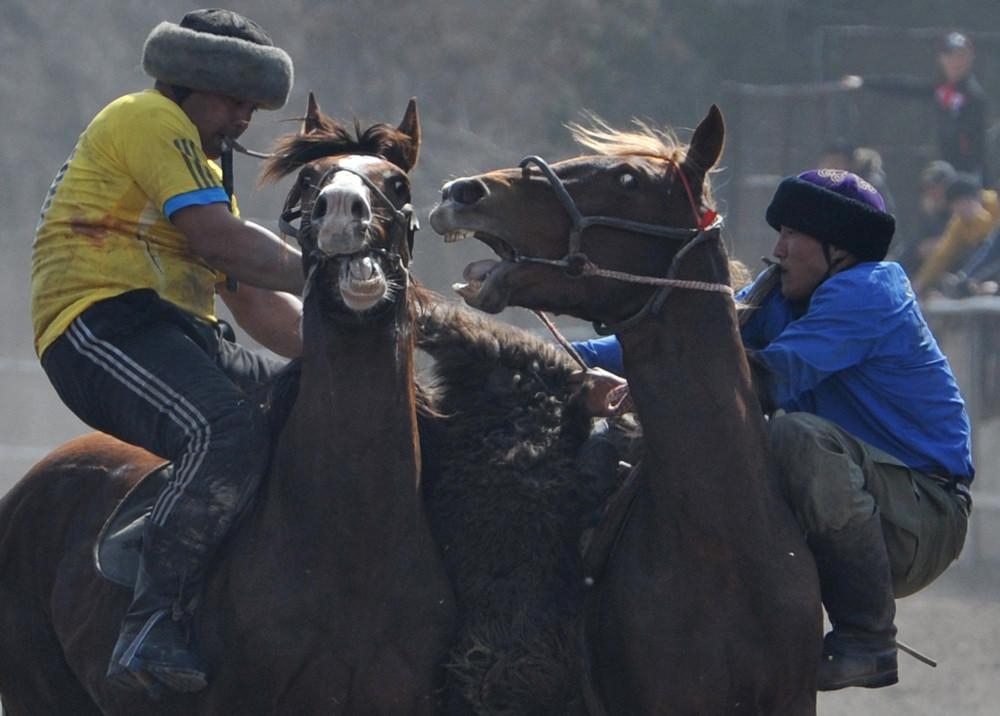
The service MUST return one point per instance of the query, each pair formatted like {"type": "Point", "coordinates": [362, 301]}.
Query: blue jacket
{"type": "Point", "coordinates": [861, 356]}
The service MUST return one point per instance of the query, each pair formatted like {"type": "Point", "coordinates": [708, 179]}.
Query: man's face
{"type": "Point", "coordinates": [932, 198]}
{"type": "Point", "coordinates": [803, 264]}
{"type": "Point", "coordinates": [956, 63]}
{"type": "Point", "coordinates": [217, 117]}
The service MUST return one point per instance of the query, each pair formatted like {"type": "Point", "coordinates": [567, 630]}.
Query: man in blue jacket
{"type": "Point", "coordinates": [872, 439]}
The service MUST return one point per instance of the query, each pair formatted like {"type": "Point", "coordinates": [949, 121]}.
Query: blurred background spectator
{"type": "Point", "coordinates": [863, 161]}
{"type": "Point", "coordinates": [980, 275]}
{"type": "Point", "coordinates": [962, 108]}
{"type": "Point", "coordinates": [960, 104]}
{"type": "Point", "coordinates": [932, 217]}
{"type": "Point", "coordinates": [975, 214]}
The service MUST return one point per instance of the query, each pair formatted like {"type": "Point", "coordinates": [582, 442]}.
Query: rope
{"type": "Point", "coordinates": [592, 270]}
{"type": "Point", "coordinates": [560, 339]}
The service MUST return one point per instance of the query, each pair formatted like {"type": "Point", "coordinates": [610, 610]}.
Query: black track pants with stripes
{"type": "Point", "coordinates": [140, 369]}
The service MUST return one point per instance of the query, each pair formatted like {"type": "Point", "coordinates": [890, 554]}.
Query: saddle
{"type": "Point", "coordinates": [119, 543]}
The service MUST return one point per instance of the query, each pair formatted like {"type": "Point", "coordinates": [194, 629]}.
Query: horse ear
{"type": "Point", "coordinates": [706, 143]}
{"type": "Point", "coordinates": [311, 122]}
{"type": "Point", "coordinates": [410, 126]}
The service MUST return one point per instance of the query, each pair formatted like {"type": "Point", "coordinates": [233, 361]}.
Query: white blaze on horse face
{"type": "Point", "coordinates": [342, 213]}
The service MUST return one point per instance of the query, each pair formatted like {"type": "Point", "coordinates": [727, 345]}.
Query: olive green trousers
{"type": "Point", "coordinates": [831, 478]}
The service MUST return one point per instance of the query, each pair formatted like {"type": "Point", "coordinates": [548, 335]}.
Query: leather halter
{"type": "Point", "coordinates": [403, 216]}
{"type": "Point", "coordinates": [574, 260]}
{"type": "Point", "coordinates": [403, 220]}
{"type": "Point", "coordinates": [576, 263]}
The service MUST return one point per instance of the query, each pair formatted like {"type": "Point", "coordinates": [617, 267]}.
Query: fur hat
{"type": "Point", "coordinates": [221, 51]}
{"type": "Point", "coordinates": [836, 207]}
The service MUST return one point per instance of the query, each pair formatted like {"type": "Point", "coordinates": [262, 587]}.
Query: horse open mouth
{"type": "Point", "coordinates": [482, 287]}
{"type": "Point", "coordinates": [363, 283]}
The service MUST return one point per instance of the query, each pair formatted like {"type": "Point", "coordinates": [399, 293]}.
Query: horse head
{"type": "Point", "coordinates": [352, 200]}
{"type": "Point", "coordinates": [628, 208]}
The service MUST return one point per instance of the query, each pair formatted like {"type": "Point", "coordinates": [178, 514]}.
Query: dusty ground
{"type": "Point", "coordinates": [957, 622]}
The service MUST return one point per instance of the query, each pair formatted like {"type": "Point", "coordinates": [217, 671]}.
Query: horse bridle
{"type": "Point", "coordinates": [402, 218]}
{"type": "Point", "coordinates": [577, 264]}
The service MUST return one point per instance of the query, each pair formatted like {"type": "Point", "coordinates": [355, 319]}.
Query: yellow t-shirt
{"type": "Point", "coordinates": [104, 226]}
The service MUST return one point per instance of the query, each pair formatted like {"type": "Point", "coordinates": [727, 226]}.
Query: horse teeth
{"type": "Point", "coordinates": [470, 288]}
{"type": "Point", "coordinates": [458, 235]}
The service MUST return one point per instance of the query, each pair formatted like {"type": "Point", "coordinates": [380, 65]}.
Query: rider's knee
{"type": "Point", "coordinates": [820, 480]}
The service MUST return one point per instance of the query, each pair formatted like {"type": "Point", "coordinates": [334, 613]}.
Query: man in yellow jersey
{"type": "Point", "coordinates": [136, 237]}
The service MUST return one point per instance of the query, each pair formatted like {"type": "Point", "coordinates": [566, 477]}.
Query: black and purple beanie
{"type": "Point", "coordinates": [836, 207]}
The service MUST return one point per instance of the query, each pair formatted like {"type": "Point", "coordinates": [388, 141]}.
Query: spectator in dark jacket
{"type": "Point", "coordinates": [932, 218]}
{"type": "Point", "coordinates": [866, 162]}
{"type": "Point", "coordinates": [961, 108]}
{"type": "Point", "coordinates": [959, 102]}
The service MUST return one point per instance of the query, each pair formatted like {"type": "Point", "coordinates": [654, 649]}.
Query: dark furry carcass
{"type": "Point", "coordinates": [509, 494]}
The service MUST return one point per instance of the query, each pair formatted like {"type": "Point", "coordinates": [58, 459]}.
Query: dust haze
{"type": "Point", "coordinates": [497, 81]}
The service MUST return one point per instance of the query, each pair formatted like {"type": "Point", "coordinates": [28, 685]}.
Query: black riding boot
{"type": "Point", "coordinates": [856, 585]}
{"type": "Point", "coordinates": [156, 640]}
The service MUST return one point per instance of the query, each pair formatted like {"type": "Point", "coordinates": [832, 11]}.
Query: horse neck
{"type": "Point", "coordinates": [691, 384]}
{"type": "Point", "coordinates": [350, 445]}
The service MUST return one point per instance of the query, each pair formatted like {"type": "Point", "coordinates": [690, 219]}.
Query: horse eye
{"type": "Point", "coordinates": [628, 181]}
{"type": "Point", "coordinates": [400, 187]}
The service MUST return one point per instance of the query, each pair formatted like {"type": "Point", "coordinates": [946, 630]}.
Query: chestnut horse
{"type": "Point", "coordinates": [330, 597]}
{"type": "Point", "coordinates": [708, 601]}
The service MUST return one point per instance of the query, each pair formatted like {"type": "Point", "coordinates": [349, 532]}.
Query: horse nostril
{"type": "Point", "coordinates": [319, 208]}
{"type": "Point", "coordinates": [466, 191]}
{"type": "Point", "coordinates": [359, 209]}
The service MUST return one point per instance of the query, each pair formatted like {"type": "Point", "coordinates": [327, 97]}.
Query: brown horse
{"type": "Point", "coordinates": [330, 597]}
{"type": "Point", "coordinates": [708, 603]}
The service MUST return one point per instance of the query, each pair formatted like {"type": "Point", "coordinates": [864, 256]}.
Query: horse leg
{"type": "Point", "coordinates": [34, 676]}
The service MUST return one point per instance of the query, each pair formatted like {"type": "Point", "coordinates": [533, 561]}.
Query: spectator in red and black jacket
{"type": "Point", "coordinates": [960, 105]}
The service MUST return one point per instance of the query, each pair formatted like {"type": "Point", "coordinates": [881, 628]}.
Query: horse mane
{"type": "Point", "coordinates": [647, 141]}
{"type": "Point", "coordinates": [643, 140]}
{"type": "Point", "coordinates": [331, 137]}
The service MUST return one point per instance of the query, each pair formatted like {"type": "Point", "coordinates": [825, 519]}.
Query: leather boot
{"type": "Point", "coordinates": [856, 585]}
{"type": "Point", "coordinates": [156, 638]}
